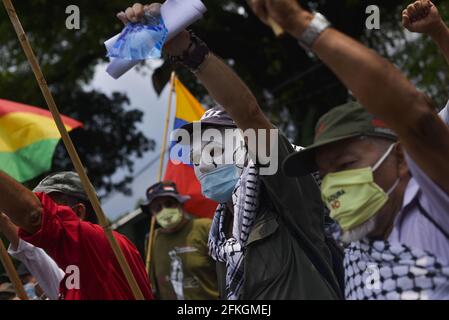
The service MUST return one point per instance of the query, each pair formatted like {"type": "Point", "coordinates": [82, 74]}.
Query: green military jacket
{"type": "Point", "coordinates": [286, 246]}
{"type": "Point", "coordinates": [181, 267]}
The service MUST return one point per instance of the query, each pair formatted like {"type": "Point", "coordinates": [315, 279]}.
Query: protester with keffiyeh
{"type": "Point", "coordinates": [268, 232]}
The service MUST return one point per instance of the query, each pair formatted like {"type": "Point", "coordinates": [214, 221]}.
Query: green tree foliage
{"type": "Point", "coordinates": [295, 89]}
{"type": "Point", "coordinates": [110, 138]}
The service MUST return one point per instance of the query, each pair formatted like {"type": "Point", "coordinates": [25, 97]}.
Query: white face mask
{"type": "Point", "coordinates": [219, 170]}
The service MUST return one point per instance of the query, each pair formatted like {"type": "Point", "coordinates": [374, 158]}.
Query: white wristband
{"type": "Point", "coordinates": [313, 31]}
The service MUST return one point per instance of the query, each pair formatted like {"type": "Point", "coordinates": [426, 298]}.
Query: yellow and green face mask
{"type": "Point", "coordinates": [169, 218]}
{"type": "Point", "coordinates": [352, 196]}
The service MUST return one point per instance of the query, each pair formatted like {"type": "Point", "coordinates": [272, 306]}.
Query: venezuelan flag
{"type": "Point", "coordinates": [188, 109]}
{"type": "Point", "coordinates": [28, 138]}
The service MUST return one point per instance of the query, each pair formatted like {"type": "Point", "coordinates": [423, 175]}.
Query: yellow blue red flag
{"type": "Point", "coordinates": [188, 109]}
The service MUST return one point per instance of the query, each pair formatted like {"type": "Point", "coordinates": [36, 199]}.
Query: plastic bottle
{"type": "Point", "coordinates": [140, 41]}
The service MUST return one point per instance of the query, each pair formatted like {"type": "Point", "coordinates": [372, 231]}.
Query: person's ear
{"type": "Point", "coordinates": [80, 210]}
{"type": "Point", "coordinates": [402, 165]}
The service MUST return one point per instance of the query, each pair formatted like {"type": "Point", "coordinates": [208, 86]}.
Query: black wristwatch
{"type": "Point", "coordinates": [194, 56]}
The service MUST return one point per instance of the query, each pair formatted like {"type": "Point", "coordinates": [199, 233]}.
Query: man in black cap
{"type": "Point", "coordinates": [181, 267]}
{"type": "Point", "coordinates": [268, 231]}
{"type": "Point", "coordinates": [385, 168]}
{"type": "Point", "coordinates": [57, 217]}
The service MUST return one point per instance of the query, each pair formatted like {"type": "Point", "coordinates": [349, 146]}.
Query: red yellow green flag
{"type": "Point", "coordinates": [28, 138]}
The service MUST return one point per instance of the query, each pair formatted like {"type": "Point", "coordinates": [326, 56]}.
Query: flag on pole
{"type": "Point", "coordinates": [188, 109]}
{"type": "Point", "coordinates": [28, 139]}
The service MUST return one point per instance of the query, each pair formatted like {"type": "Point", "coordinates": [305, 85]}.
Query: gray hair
{"type": "Point", "coordinates": [360, 232]}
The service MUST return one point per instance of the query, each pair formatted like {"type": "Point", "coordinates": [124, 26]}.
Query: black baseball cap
{"type": "Point", "coordinates": [164, 189]}
{"type": "Point", "coordinates": [214, 117]}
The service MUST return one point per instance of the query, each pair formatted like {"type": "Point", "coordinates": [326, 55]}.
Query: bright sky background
{"type": "Point", "coordinates": [142, 96]}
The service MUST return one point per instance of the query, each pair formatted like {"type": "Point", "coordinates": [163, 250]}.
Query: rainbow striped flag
{"type": "Point", "coordinates": [28, 139]}
{"type": "Point", "coordinates": [188, 109]}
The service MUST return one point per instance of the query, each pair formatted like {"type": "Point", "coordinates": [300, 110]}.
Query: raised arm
{"type": "Point", "coordinates": [423, 17]}
{"type": "Point", "coordinates": [40, 265]}
{"type": "Point", "coordinates": [225, 87]}
{"type": "Point", "coordinates": [9, 230]}
{"type": "Point", "coordinates": [377, 84]}
{"type": "Point", "coordinates": [19, 204]}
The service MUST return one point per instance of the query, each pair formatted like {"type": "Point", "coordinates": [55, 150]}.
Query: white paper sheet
{"type": "Point", "coordinates": [177, 15]}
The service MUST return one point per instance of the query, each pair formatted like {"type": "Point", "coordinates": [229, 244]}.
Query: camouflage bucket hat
{"type": "Point", "coordinates": [343, 122]}
{"type": "Point", "coordinates": [67, 182]}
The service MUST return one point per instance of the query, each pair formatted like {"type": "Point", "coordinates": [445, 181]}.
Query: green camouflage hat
{"type": "Point", "coordinates": [343, 122]}
{"type": "Point", "coordinates": [67, 182]}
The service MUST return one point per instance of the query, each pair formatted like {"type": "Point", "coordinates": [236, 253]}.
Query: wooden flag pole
{"type": "Point", "coordinates": [11, 272]}
{"type": "Point", "coordinates": [167, 122]}
{"type": "Point", "coordinates": [150, 244]}
{"type": "Point", "coordinates": [90, 191]}
{"type": "Point", "coordinates": [161, 167]}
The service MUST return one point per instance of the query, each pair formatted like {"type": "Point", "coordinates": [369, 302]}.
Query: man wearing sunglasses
{"type": "Point", "coordinates": [181, 268]}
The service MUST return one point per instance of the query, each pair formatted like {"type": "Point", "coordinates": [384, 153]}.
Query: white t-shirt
{"type": "Point", "coordinates": [41, 266]}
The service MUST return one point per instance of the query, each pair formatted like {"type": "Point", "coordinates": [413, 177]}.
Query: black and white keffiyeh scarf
{"type": "Point", "coordinates": [380, 270]}
{"type": "Point", "coordinates": [232, 250]}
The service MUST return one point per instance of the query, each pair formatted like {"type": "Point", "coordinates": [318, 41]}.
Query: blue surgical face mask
{"type": "Point", "coordinates": [30, 289]}
{"type": "Point", "coordinates": [219, 183]}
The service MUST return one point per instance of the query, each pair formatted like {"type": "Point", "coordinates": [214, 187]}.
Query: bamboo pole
{"type": "Point", "coordinates": [89, 189]}
{"type": "Point", "coordinates": [161, 168]}
{"type": "Point", "coordinates": [167, 122]}
{"type": "Point", "coordinates": [150, 244]}
{"type": "Point", "coordinates": [11, 272]}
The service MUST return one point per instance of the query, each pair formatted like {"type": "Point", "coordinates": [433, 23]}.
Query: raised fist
{"type": "Point", "coordinates": [288, 14]}
{"type": "Point", "coordinates": [421, 16]}
{"type": "Point", "coordinates": [135, 13]}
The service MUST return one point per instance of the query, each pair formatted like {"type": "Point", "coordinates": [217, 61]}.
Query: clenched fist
{"type": "Point", "coordinates": [135, 13]}
{"type": "Point", "coordinates": [286, 13]}
{"type": "Point", "coordinates": [422, 17]}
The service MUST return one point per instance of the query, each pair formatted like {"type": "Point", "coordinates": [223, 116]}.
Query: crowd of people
{"type": "Point", "coordinates": [376, 172]}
